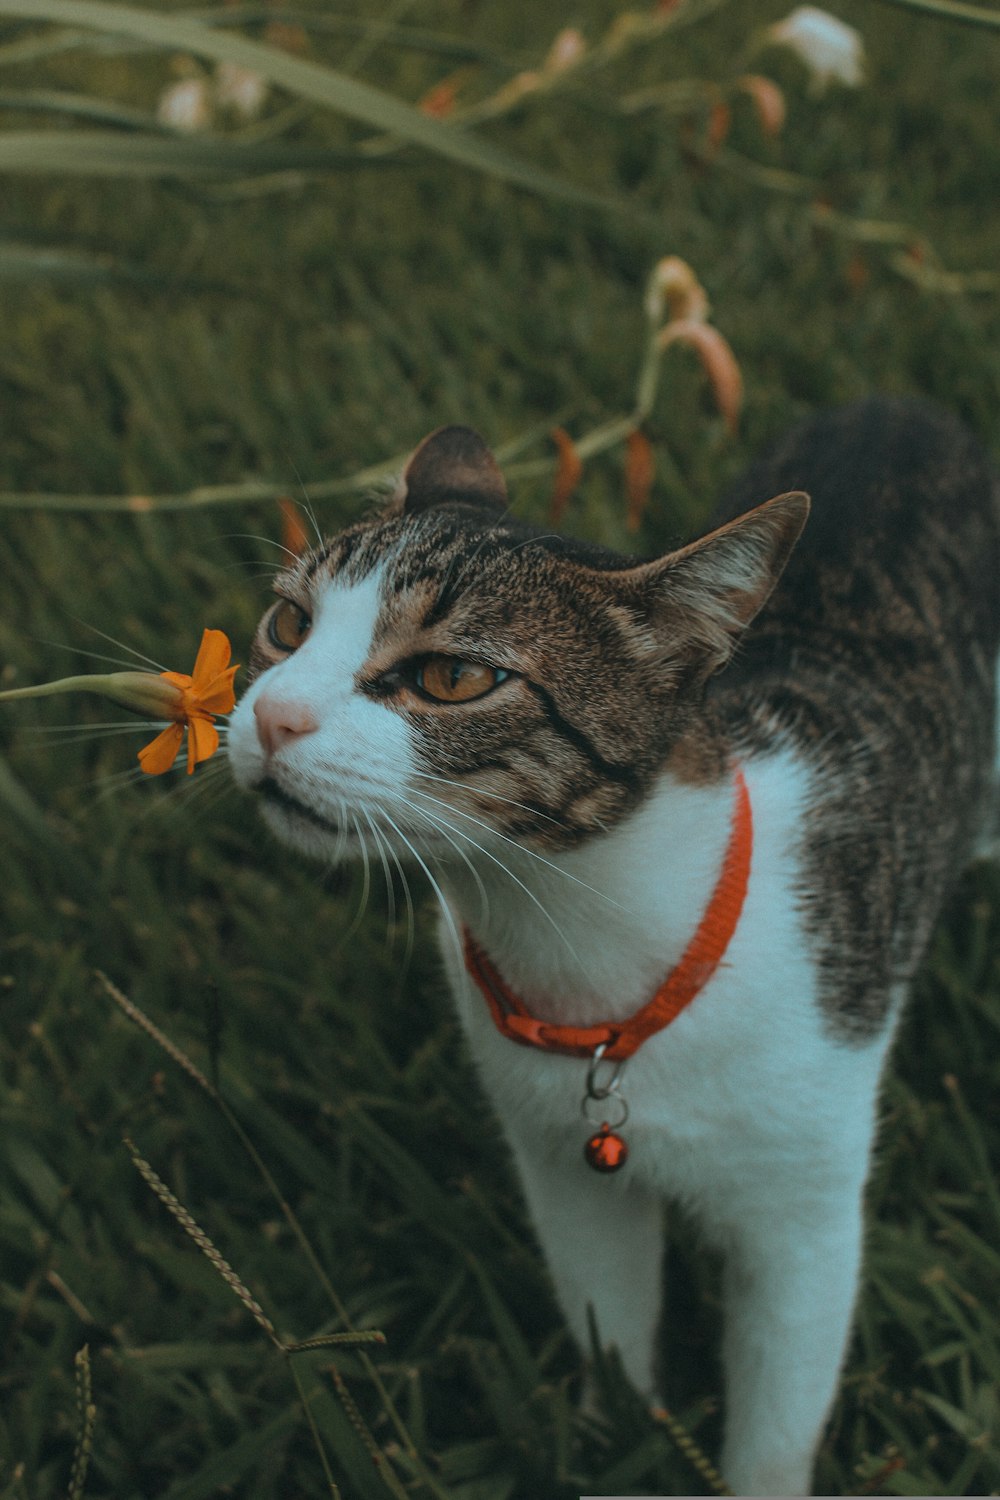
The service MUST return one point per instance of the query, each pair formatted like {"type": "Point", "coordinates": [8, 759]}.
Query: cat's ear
{"type": "Point", "coordinates": [452, 466]}
{"type": "Point", "coordinates": [702, 597]}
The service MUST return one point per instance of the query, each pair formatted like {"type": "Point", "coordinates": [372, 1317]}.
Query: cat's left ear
{"type": "Point", "coordinates": [700, 599]}
{"type": "Point", "coordinates": [452, 466]}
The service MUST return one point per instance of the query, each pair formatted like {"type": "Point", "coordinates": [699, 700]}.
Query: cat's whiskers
{"type": "Point", "coordinates": [410, 922]}
{"type": "Point", "coordinates": [442, 823]}
{"type": "Point", "coordinates": [120, 726]}
{"type": "Point", "coordinates": [442, 900]}
{"type": "Point", "coordinates": [380, 846]}
{"type": "Point", "coordinates": [366, 888]}
{"type": "Point", "coordinates": [345, 817]}
{"type": "Point", "coordinates": [304, 503]}
{"type": "Point", "coordinates": [84, 734]}
{"type": "Point", "coordinates": [212, 778]}
{"type": "Point", "coordinates": [115, 661]}
{"type": "Point", "coordinates": [250, 570]}
{"type": "Point", "coordinates": [311, 518]}
{"type": "Point", "coordinates": [484, 897]}
{"type": "Point", "coordinates": [387, 852]}
{"type": "Point", "coordinates": [122, 645]}
{"type": "Point", "coordinates": [523, 849]}
{"type": "Point", "coordinates": [210, 788]}
{"type": "Point", "coordinates": [105, 788]}
{"type": "Point", "coordinates": [268, 541]}
{"type": "Point", "coordinates": [479, 791]}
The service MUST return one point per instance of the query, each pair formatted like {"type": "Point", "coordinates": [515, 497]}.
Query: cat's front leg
{"type": "Point", "coordinates": [603, 1242]}
{"type": "Point", "coordinates": [790, 1285]}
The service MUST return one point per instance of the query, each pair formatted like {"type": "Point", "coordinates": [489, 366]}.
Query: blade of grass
{"type": "Point", "coordinates": [80, 106]}
{"type": "Point", "coordinates": [27, 262]}
{"type": "Point", "coordinates": [86, 1417]}
{"type": "Point", "coordinates": [952, 10]}
{"type": "Point", "coordinates": [371, 1370]}
{"type": "Point", "coordinates": [318, 83]}
{"type": "Point", "coordinates": [109, 153]}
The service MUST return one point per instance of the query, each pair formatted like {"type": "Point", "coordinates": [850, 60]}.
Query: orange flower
{"type": "Point", "coordinates": [568, 473]}
{"type": "Point", "coordinates": [718, 360]}
{"type": "Point", "coordinates": [293, 533]}
{"type": "Point", "coordinates": [439, 102]}
{"type": "Point", "coordinates": [207, 692]}
{"type": "Point", "coordinates": [675, 290]}
{"type": "Point", "coordinates": [768, 101]}
{"type": "Point", "coordinates": [640, 469]}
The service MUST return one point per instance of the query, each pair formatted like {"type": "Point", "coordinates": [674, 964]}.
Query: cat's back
{"type": "Point", "coordinates": [874, 664]}
{"type": "Point", "coordinates": [903, 540]}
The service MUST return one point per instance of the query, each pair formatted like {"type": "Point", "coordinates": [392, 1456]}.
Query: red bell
{"type": "Point", "coordinates": [605, 1151]}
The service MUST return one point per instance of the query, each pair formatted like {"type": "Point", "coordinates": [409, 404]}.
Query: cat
{"type": "Point", "coordinates": [615, 771]}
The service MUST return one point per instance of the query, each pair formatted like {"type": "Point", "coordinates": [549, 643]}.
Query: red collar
{"type": "Point", "coordinates": [699, 962]}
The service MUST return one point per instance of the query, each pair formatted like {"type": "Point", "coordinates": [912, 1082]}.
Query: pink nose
{"type": "Point", "coordinates": [279, 721]}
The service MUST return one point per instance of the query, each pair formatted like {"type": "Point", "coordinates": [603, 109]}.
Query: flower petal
{"type": "Point", "coordinates": [566, 51]}
{"type": "Point", "coordinates": [159, 755]}
{"type": "Point", "coordinates": [439, 101]}
{"type": "Point", "coordinates": [568, 472]}
{"type": "Point", "coordinates": [768, 101]}
{"type": "Point", "coordinates": [219, 696]}
{"type": "Point", "coordinates": [293, 534]}
{"type": "Point", "coordinates": [833, 51]}
{"type": "Point", "coordinates": [203, 741]}
{"type": "Point", "coordinates": [718, 360]}
{"type": "Point", "coordinates": [640, 468]}
{"type": "Point", "coordinates": [675, 290]}
{"type": "Point", "coordinates": [213, 658]}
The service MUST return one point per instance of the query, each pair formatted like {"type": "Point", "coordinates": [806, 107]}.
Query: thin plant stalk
{"type": "Point", "coordinates": [86, 1416]}
{"type": "Point", "coordinates": [139, 1018]}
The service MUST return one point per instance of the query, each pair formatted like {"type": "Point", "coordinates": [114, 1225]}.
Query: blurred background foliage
{"type": "Point", "coordinates": [432, 211]}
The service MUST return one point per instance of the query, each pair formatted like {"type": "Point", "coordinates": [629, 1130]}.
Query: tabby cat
{"type": "Point", "coordinates": [687, 868]}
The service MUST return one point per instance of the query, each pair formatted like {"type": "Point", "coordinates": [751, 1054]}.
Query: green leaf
{"type": "Point", "coordinates": [109, 153]}
{"type": "Point", "coordinates": [82, 106]}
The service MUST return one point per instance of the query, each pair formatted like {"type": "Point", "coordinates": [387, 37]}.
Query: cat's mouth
{"type": "Point", "coordinates": [276, 796]}
{"type": "Point", "coordinates": [301, 826]}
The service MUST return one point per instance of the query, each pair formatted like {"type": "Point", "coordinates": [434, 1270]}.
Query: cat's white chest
{"type": "Point", "coordinates": [746, 1074]}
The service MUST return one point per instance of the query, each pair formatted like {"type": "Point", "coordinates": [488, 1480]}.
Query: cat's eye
{"type": "Point", "coordinates": [448, 679]}
{"type": "Point", "coordinates": [288, 626]}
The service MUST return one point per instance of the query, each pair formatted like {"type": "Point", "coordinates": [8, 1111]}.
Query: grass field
{"type": "Point", "coordinates": [288, 319]}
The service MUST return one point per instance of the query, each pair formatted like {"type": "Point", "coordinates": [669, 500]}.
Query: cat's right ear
{"type": "Point", "coordinates": [700, 600]}
{"type": "Point", "coordinates": [451, 467]}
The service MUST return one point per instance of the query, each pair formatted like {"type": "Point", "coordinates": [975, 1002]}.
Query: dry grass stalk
{"type": "Point", "coordinates": [86, 1415]}
{"type": "Point", "coordinates": [151, 1029]}
{"type": "Point", "coordinates": [692, 1451]}
{"type": "Point", "coordinates": [205, 1245]}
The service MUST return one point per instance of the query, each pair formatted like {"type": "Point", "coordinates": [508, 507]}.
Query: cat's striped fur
{"type": "Point", "coordinates": [573, 816]}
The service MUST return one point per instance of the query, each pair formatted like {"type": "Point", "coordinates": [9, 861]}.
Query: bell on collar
{"type": "Point", "coordinates": [605, 1151]}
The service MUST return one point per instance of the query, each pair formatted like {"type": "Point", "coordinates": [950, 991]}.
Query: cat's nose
{"type": "Point", "coordinates": [280, 721]}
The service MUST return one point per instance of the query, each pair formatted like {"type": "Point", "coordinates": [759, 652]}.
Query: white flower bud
{"type": "Point", "coordinates": [832, 51]}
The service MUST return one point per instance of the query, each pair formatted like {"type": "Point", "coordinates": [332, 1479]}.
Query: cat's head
{"type": "Point", "coordinates": [443, 672]}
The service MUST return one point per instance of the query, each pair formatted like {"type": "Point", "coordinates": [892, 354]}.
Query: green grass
{"type": "Point", "coordinates": [289, 330]}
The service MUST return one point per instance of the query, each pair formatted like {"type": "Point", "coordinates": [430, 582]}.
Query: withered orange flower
{"type": "Point", "coordinates": [640, 469]}
{"type": "Point", "coordinates": [720, 118]}
{"type": "Point", "coordinates": [718, 361]}
{"type": "Point", "coordinates": [568, 472]}
{"type": "Point", "coordinates": [293, 533]}
{"type": "Point", "coordinates": [207, 692]}
{"type": "Point", "coordinates": [768, 101]}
